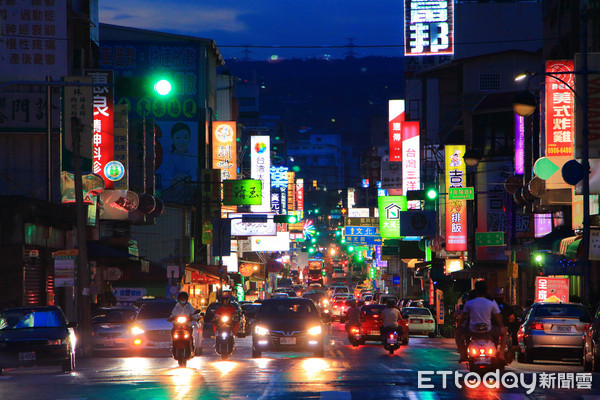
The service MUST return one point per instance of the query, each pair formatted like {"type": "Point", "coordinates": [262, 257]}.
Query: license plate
{"type": "Point", "coordinates": [416, 321]}
{"type": "Point", "coordinates": [392, 341]}
{"type": "Point", "coordinates": [27, 356]}
{"type": "Point", "coordinates": [162, 345]}
{"type": "Point", "coordinates": [287, 340]}
{"type": "Point", "coordinates": [563, 328]}
{"type": "Point", "coordinates": [483, 360]}
{"type": "Point", "coordinates": [109, 343]}
{"type": "Point", "coordinates": [375, 333]}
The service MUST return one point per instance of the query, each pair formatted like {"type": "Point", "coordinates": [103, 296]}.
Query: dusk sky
{"type": "Point", "coordinates": [374, 25]}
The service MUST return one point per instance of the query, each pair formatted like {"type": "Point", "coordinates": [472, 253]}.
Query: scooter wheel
{"type": "Point", "coordinates": [256, 353]}
{"type": "Point", "coordinates": [391, 351]}
{"type": "Point", "coordinates": [182, 362]}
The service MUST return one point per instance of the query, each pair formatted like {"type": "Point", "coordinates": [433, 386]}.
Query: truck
{"type": "Point", "coordinates": [315, 271]}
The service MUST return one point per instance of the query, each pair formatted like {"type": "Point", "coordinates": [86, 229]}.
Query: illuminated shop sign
{"type": "Point", "coordinates": [456, 213]}
{"type": "Point", "coordinates": [428, 27]}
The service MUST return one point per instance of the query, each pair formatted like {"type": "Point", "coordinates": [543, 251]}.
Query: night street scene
{"type": "Point", "coordinates": [268, 199]}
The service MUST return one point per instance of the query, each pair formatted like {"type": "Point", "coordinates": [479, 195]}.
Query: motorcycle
{"type": "Point", "coordinates": [224, 341]}
{"type": "Point", "coordinates": [483, 352]}
{"type": "Point", "coordinates": [182, 337]}
{"type": "Point", "coordinates": [390, 341]}
{"type": "Point", "coordinates": [355, 335]}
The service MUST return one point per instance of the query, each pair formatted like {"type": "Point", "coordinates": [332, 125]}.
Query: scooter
{"type": "Point", "coordinates": [183, 342]}
{"type": "Point", "coordinates": [483, 352]}
{"type": "Point", "coordinates": [224, 341]}
{"type": "Point", "coordinates": [390, 341]}
{"type": "Point", "coordinates": [355, 335]}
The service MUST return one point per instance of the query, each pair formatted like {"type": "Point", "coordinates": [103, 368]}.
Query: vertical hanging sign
{"type": "Point", "coordinates": [395, 118]}
{"type": "Point", "coordinates": [456, 213]}
{"type": "Point", "coordinates": [224, 149]}
{"type": "Point", "coordinates": [103, 142]}
{"type": "Point", "coordinates": [519, 144]}
{"type": "Point", "coordinates": [411, 166]}
{"type": "Point", "coordinates": [260, 159]}
{"type": "Point", "coordinates": [291, 192]}
{"type": "Point", "coordinates": [300, 194]}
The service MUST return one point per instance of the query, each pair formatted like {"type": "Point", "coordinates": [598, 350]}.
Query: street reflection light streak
{"type": "Point", "coordinates": [262, 363]}
{"type": "Point", "coordinates": [224, 366]}
{"type": "Point", "coordinates": [135, 364]}
{"type": "Point", "coordinates": [314, 367]}
{"type": "Point", "coordinates": [182, 381]}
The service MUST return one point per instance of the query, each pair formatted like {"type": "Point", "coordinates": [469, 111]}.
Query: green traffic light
{"type": "Point", "coordinates": [350, 249]}
{"type": "Point", "coordinates": [292, 219]}
{"type": "Point", "coordinates": [338, 233]}
{"type": "Point", "coordinates": [431, 194]}
{"type": "Point", "coordinates": [162, 87]}
{"type": "Point", "coordinates": [311, 250]}
{"type": "Point", "coordinates": [343, 240]}
{"type": "Point", "coordinates": [539, 258]}
{"type": "Point", "coordinates": [313, 240]}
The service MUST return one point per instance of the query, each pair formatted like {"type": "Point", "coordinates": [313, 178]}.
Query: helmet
{"type": "Point", "coordinates": [225, 300]}
{"type": "Point", "coordinates": [390, 303]}
{"type": "Point", "coordinates": [352, 303]}
{"type": "Point", "coordinates": [499, 292]}
{"type": "Point", "coordinates": [183, 296]}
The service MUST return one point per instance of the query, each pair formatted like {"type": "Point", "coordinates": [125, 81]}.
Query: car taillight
{"type": "Point", "coordinates": [537, 326]}
{"type": "Point", "coordinates": [137, 342]}
{"type": "Point", "coordinates": [429, 321]}
{"type": "Point", "coordinates": [391, 335]}
{"type": "Point", "coordinates": [490, 351]}
{"type": "Point", "coordinates": [355, 330]}
{"type": "Point", "coordinates": [375, 316]}
{"type": "Point", "coordinates": [474, 351]}
{"type": "Point", "coordinates": [586, 327]}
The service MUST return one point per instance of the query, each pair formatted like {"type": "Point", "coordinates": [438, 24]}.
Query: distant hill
{"type": "Point", "coordinates": [312, 93]}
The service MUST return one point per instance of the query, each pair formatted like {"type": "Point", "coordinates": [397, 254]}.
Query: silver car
{"type": "Point", "coordinates": [553, 331]}
{"type": "Point", "coordinates": [111, 328]}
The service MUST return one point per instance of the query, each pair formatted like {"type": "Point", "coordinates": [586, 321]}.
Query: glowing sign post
{"type": "Point", "coordinates": [224, 148]}
{"type": "Point", "coordinates": [456, 210]}
{"type": "Point", "coordinates": [389, 215]}
{"type": "Point", "coordinates": [260, 159]}
{"type": "Point", "coordinates": [411, 166]}
{"type": "Point", "coordinates": [428, 27]}
{"type": "Point", "coordinates": [395, 118]}
{"type": "Point", "coordinates": [551, 289]}
{"type": "Point", "coordinates": [519, 144]}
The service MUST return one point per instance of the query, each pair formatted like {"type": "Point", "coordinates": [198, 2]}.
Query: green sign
{"type": "Point", "coordinates": [466, 193]}
{"type": "Point", "coordinates": [242, 192]}
{"type": "Point", "coordinates": [544, 168]}
{"type": "Point", "coordinates": [389, 215]}
{"type": "Point", "coordinates": [489, 238]}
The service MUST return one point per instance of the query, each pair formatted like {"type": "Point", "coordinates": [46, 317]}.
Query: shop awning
{"type": "Point", "coordinates": [551, 241]}
{"type": "Point", "coordinates": [563, 244]}
{"type": "Point", "coordinates": [574, 249]}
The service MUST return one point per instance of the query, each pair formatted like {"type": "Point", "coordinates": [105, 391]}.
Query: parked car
{"type": "Point", "coordinates": [290, 324]}
{"type": "Point", "coordinates": [207, 330]}
{"type": "Point", "coordinates": [553, 331]}
{"type": "Point", "coordinates": [111, 328]}
{"type": "Point", "coordinates": [151, 331]}
{"type": "Point", "coordinates": [591, 345]}
{"type": "Point", "coordinates": [420, 320]}
{"type": "Point", "coordinates": [37, 335]}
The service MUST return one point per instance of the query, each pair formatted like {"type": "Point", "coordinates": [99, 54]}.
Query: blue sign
{"type": "Point", "coordinates": [396, 279]}
{"type": "Point", "coordinates": [363, 240]}
{"type": "Point", "coordinates": [361, 231]}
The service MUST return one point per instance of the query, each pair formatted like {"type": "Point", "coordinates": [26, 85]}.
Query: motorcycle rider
{"type": "Point", "coordinates": [226, 309]}
{"type": "Point", "coordinates": [183, 307]}
{"type": "Point", "coordinates": [352, 316]}
{"type": "Point", "coordinates": [391, 316]}
{"type": "Point", "coordinates": [480, 310]}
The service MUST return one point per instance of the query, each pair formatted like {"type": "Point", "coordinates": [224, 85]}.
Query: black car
{"type": "Point", "coordinates": [210, 314]}
{"type": "Point", "coordinates": [38, 335]}
{"type": "Point", "coordinates": [288, 324]}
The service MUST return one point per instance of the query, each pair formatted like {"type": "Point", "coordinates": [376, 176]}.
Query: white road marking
{"type": "Point", "coordinates": [336, 395]}
{"type": "Point", "coordinates": [396, 369]}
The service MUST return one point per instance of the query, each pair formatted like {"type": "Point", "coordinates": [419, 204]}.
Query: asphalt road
{"type": "Point", "coordinates": [346, 372]}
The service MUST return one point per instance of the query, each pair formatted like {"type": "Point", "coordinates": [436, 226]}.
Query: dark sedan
{"type": "Point", "coordinates": [291, 324]}
{"type": "Point", "coordinates": [37, 335]}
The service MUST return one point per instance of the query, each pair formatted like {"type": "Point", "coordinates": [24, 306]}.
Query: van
{"type": "Point", "coordinates": [339, 290]}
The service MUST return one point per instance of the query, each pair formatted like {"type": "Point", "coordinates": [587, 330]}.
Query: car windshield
{"type": "Point", "coordinates": [372, 310]}
{"type": "Point", "coordinates": [287, 309]}
{"type": "Point", "coordinates": [561, 311]}
{"type": "Point", "coordinates": [156, 310]}
{"type": "Point", "coordinates": [27, 318]}
{"type": "Point", "coordinates": [341, 289]}
{"type": "Point", "coordinates": [251, 310]}
{"type": "Point", "coordinates": [416, 311]}
{"type": "Point", "coordinates": [116, 315]}
{"type": "Point", "coordinates": [316, 297]}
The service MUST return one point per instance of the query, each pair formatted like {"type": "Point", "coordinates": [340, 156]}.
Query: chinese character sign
{"type": "Point", "coordinates": [103, 144]}
{"type": "Point", "coordinates": [279, 178]}
{"type": "Point", "coordinates": [260, 160]}
{"type": "Point", "coordinates": [224, 148]}
{"type": "Point", "coordinates": [241, 192]}
{"type": "Point", "coordinates": [291, 192]}
{"type": "Point", "coordinates": [300, 194]}
{"type": "Point", "coordinates": [411, 166]}
{"type": "Point", "coordinates": [428, 27]}
{"type": "Point", "coordinates": [551, 289]}
{"type": "Point", "coordinates": [456, 213]}
{"type": "Point", "coordinates": [389, 215]}
{"type": "Point", "coordinates": [395, 118]}
{"type": "Point", "coordinates": [560, 119]}
{"type": "Point", "coordinates": [519, 144]}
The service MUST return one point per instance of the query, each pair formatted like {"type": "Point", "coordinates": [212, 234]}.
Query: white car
{"type": "Point", "coordinates": [150, 329]}
{"type": "Point", "coordinates": [420, 321]}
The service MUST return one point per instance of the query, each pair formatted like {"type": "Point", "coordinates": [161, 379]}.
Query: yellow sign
{"type": "Point", "coordinates": [453, 265]}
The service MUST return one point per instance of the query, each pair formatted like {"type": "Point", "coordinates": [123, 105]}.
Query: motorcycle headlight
{"type": "Point", "coordinates": [259, 330]}
{"type": "Point", "coordinates": [224, 318]}
{"type": "Point", "coordinates": [325, 302]}
{"type": "Point", "coordinates": [181, 319]}
{"type": "Point", "coordinates": [136, 330]}
{"type": "Point", "coordinates": [315, 330]}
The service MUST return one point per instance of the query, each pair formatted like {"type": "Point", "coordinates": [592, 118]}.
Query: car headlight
{"type": "Point", "coordinates": [325, 302]}
{"type": "Point", "coordinates": [315, 330]}
{"type": "Point", "coordinates": [259, 330]}
{"type": "Point", "coordinates": [136, 330]}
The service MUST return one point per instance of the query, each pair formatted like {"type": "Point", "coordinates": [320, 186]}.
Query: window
{"type": "Point", "coordinates": [489, 81]}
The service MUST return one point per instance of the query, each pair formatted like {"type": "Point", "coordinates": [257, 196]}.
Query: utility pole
{"type": "Point", "coordinates": [83, 272]}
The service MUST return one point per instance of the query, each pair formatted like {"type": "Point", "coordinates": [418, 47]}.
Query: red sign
{"type": "Point", "coordinates": [551, 289]}
{"type": "Point", "coordinates": [300, 194]}
{"type": "Point", "coordinates": [395, 118]}
{"type": "Point", "coordinates": [103, 143]}
{"type": "Point", "coordinates": [456, 210]}
{"type": "Point", "coordinates": [560, 116]}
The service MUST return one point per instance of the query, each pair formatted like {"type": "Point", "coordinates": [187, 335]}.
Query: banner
{"type": "Point", "coordinates": [411, 166]}
{"type": "Point", "coordinates": [456, 210]}
{"type": "Point", "coordinates": [260, 160]}
{"type": "Point", "coordinates": [395, 118]}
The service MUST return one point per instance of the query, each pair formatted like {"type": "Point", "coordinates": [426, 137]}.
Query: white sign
{"type": "Point", "coordinates": [358, 212]}
{"type": "Point", "coordinates": [231, 262]}
{"type": "Point", "coordinates": [428, 27]}
{"type": "Point", "coordinates": [260, 159]}
{"type": "Point", "coordinates": [594, 244]}
{"type": "Point", "coordinates": [239, 228]}
{"type": "Point", "coordinates": [281, 242]}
